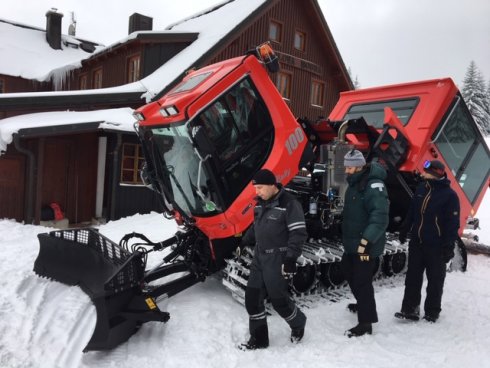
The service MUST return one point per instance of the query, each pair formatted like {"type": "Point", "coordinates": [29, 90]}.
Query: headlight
{"type": "Point", "coordinates": [139, 116]}
{"type": "Point", "coordinates": [168, 111]}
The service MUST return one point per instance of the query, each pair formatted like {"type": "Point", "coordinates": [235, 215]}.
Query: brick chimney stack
{"type": "Point", "coordinates": [53, 28]}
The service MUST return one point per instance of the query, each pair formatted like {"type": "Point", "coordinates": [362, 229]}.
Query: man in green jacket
{"type": "Point", "coordinates": [365, 219]}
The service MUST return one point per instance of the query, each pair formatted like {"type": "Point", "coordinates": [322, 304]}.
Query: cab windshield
{"type": "Point", "coordinates": [231, 139]}
{"type": "Point", "coordinates": [179, 165]}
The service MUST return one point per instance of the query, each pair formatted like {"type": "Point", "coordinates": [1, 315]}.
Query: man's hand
{"type": "Point", "coordinates": [362, 250]}
{"type": "Point", "coordinates": [288, 268]}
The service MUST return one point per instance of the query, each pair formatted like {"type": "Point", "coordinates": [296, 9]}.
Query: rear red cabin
{"type": "Point", "coordinates": [437, 124]}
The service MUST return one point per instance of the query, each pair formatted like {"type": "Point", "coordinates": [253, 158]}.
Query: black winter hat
{"type": "Point", "coordinates": [264, 177]}
{"type": "Point", "coordinates": [436, 168]}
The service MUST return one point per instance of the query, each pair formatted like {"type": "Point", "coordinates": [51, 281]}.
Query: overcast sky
{"type": "Point", "coordinates": [381, 41]}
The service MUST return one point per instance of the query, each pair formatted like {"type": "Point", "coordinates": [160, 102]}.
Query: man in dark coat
{"type": "Point", "coordinates": [278, 233]}
{"type": "Point", "coordinates": [365, 219]}
{"type": "Point", "coordinates": [432, 222]}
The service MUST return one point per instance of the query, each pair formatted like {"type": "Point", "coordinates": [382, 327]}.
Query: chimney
{"type": "Point", "coordinates": [139, 22]}
{"type": "Point", "coordinates": [53, 28]}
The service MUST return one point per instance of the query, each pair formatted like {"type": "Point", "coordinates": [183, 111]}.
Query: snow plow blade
{"type": "Point", "coordinates": [108, 274]}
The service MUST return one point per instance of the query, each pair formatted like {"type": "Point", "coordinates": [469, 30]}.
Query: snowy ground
{"type": "Point", "coordinates": [46, 324]}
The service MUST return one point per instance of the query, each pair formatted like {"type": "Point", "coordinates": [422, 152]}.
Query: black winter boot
{"type": "Point", "coordinates": [259, 339]}
{"type": "Point", "coordinates": [412, 315]}
{"type": "Point", "coordinates": [352, 307]}
{"type": "Point", "coordinates": [432, 318]}
{"type": "Point", "coordinates": [253, 344]}
{"type": "Point", "coordinates": [359, 330]}
{"type": "Point", "coordinates": [297, 334]}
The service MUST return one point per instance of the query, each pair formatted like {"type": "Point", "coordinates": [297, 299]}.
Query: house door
{"type": "Point", "coordinates": [56, 172]}
{"type": "Point", "coordinates": [12, 187]}
{"type": "Point", "coordinates": [70, 174]}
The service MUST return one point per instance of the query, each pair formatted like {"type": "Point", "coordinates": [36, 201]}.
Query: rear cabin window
{"type": "Point", "coordinates": [374, 113]}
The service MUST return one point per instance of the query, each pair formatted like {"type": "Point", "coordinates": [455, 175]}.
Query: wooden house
{"type": "Point", "coordinates": [88, 162]}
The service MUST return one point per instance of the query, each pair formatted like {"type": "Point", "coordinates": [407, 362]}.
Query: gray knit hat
{"type": "Point", "coordinates": [354, 158]}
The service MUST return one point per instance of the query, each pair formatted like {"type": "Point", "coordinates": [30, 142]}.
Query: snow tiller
{"type": "Point", "coordinates": [115, 279]}
{"type": "Point", "coordinates": [205, 139]}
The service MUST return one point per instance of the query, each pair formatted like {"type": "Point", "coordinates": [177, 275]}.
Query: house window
{"type": "Point", "coordinates": [275, 31]}
{"type": "Point", "coordinates": [83, 81]}
{"type": "Point", "coordinates": [283, 84]}
{"type": "Point", "coordinates": [299, 40]}
{"type": "Point", "coordinates": [133, 68]}
{"type": "Point", "coordinates": [132, 162]}
{"type": "Point", "coordinates": [2, 86]}
{"type": "Point", "coordinates": [317, 93]}
{"type": "Point", "coordinates": [97, 78]}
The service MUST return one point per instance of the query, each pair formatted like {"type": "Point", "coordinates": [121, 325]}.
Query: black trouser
{"type": "Point", "coordinates": [359, 275]}
{"type": "Point", "coordinates": [266, 280]}
{"type": "Point", "coordinates": [429, 258]}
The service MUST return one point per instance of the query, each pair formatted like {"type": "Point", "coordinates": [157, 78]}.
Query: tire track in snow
{"type": "Point", "coordinates": [58, 324]}
{"type": "Point", "coordinates": [79, 336]}
{"type": "Point", "coordinates": [32, 291]}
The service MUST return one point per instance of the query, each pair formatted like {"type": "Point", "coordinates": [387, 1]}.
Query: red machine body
{"type": "Point", "coordinates": [433, 102]}
{"type": "Point", "coordinates": [289, 139]}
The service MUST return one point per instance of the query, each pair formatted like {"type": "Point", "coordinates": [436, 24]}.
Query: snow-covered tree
{"type": "Point", "coordinates": [355, 81]}
{"type": "Point", "coordinates": [488, 99]}
{"type": "Point", "coordinates": [476, 98]}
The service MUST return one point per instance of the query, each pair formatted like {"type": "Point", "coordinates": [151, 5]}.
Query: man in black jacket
{"type": "Point", "coordinates": [432, 222]}
{"type": "Point", "coordinates": [278, 232]}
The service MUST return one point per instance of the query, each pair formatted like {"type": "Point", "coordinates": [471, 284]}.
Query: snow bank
{"type": "Point", "coordinates": [45, 324]}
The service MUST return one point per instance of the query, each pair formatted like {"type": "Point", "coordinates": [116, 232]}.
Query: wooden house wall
{"type": "Point", "coordinates": [114, 64]}
{"type": "Point", "coordinates": [12, 184]}
{"type": "Point", "coordinates": [18, 84]}
{"type": "Point", "coordinates": [320, 57]}
{"type": "Point", "coordinates": [125, 200]}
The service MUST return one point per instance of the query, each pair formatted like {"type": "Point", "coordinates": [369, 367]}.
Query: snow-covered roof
{"type": "Point", "coordinates": [212, 25]}
{"type": "Point", "coordinates": [110, 119]}
{"type": "Point", "coordinates": [26, 53]}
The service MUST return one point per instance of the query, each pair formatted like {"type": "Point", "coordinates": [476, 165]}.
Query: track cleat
{"type": "Point", "coordinates": [360, 330]}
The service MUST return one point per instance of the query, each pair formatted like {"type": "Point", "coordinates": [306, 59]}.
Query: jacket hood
{"type": "Point", "coordinates": [376, 171]}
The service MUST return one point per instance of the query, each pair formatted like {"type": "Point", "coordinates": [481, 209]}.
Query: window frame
{"type": "Point", "coordinates": [279, 28]}
{"type": "Point", "coordinates": [2, 85]}
{"type": "Point", "coordinates": [133, 74]}
{"type": "Point", "coordinates": [377, 108]}
{"type": "Point", "coordinates": [96, 81]}
{"type": "Point", "coordinates": [135, 170]}
{"type": "Point", "coordinates": [83, 81]}
{"type": "Point", "coordinates": [314, 100]}
{"type": "Point", "coordinates": [301, 33]}
{"type": "Point", "coordinates": [279, 85]}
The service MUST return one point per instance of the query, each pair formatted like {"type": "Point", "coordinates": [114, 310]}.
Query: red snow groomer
{"type": "Point", "coordinates": [204, 140]}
